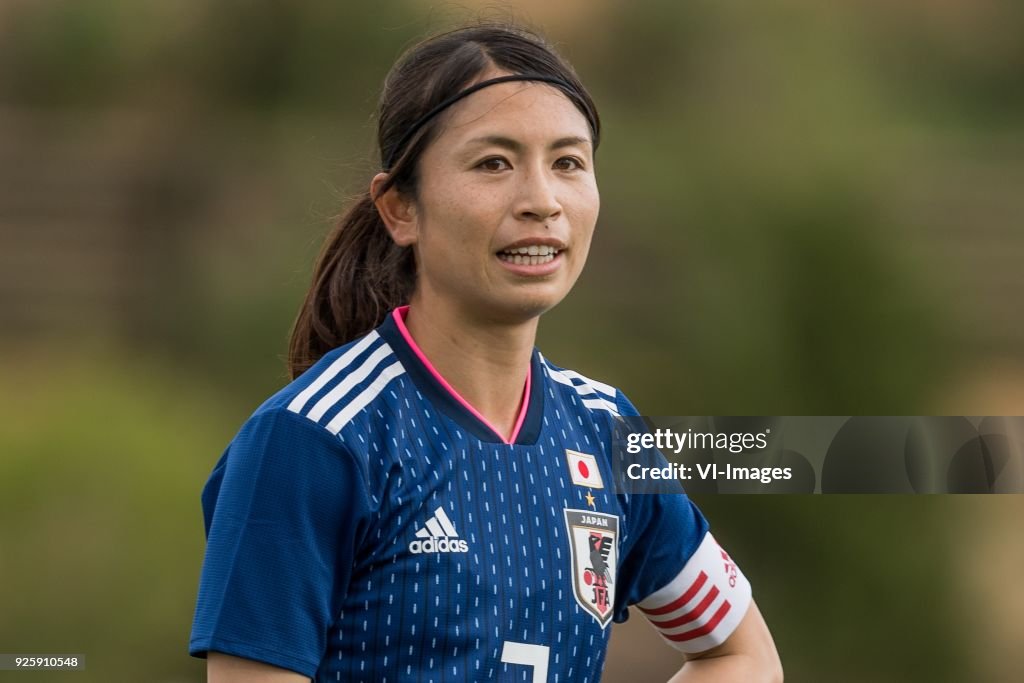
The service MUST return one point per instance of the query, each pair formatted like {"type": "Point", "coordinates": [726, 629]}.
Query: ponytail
{"type": "Point", "coordinates": [359, 277]}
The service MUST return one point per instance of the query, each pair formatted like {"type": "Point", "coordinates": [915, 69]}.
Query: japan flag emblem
{"type": "Point", "coordinates": [583, 469]}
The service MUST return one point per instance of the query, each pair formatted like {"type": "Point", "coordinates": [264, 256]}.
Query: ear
{"type": "Point", "coordinates": [397, 211]}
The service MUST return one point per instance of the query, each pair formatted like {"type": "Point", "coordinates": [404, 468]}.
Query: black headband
{"type": "Point", "coordinates": [447, 102]}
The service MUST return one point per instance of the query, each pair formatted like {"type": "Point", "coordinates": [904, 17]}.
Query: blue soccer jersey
{"type": "Point", "coordinates": [367, 524]}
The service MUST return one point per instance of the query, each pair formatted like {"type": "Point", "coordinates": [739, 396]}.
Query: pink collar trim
{"type": "Point", "coordinates": [399, 316]}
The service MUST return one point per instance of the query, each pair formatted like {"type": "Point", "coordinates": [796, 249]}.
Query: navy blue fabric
{"type": "Point", "coordinates": [315, 513]}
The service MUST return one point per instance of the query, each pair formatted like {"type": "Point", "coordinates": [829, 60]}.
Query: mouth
{"type": "Point", "coordinates": [530, 255]}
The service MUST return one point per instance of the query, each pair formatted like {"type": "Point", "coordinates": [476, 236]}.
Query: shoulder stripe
{"type": "Point", "coordinates": [559, 377]}
{"type": "Point", "coordinates": [589, 390]}
{"type": "Point", "coordinates": [605, 389]}
{"type": "Point", "coordinates": [364, 397]}
{"type": "Point", "coordinates": [601, 404]}
{"type": "Point", "coordinates": [299, 402]}
{"type": "Point", "coordinates": [344, 386]}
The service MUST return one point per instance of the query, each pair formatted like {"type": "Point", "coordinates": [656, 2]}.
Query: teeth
{"type": "Point", "coordinates": [532, 250]}
{"type": "Point", "coordinates": [526, 259]}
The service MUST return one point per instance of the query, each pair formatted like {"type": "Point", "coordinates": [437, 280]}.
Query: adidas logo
{"type": "Point", "coordinates": [438, 536]}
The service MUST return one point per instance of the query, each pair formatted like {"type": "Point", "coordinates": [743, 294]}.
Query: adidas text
{"type": "Point", "coordinates": [439, 545]}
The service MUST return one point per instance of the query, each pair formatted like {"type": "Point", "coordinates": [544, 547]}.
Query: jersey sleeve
{"type": "Point", "coordinates": [283, 509]}
{"type": "Point", "coordinates": [675, 572]}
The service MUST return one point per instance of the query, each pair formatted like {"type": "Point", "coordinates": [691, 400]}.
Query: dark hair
{"type": "Point", "coordinates": [361, 274]}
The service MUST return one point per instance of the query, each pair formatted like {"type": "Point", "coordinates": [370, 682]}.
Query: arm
{"type": "Point", "coordinates": [222, 668]}
{"type": "Point", "coordinates": [748, 654]}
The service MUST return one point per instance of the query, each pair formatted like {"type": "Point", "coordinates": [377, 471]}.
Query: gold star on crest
{"type": "Point", "coordinates": [590, 500]}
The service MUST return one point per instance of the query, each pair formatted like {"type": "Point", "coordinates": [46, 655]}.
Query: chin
{"type": "Point", "coordinates": [529, 306]}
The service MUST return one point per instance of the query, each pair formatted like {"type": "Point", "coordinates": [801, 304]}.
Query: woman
{"type": "Point", "coordinates": [430, 498]}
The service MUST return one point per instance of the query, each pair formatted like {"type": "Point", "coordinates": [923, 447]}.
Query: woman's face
{"type": "Point", "coordinates": [507, 203]}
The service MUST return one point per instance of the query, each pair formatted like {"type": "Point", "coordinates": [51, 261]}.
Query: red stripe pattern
{"type": "Point", "coordinates": [681, 600]}
{"type": "Point", "coordinates": [710, 598]}
{"type": "Point", "coordinates": [706, 628]}
{"type": "Point", "coordinates": [693, 614]}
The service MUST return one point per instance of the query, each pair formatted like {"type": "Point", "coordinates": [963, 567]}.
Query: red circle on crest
{"type": "Point", "coordinates": [582, 467]}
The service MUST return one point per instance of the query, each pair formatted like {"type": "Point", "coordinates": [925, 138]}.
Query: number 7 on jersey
{"type": "Point", "coordinates": [530, 655]}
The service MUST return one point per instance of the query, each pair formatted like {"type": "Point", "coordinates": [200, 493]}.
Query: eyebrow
{"type": "Point", "coordinates": [516, 146]}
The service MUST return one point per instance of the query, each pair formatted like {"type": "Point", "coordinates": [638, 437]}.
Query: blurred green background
{"type": "Point", "coordinates": [806, 209]}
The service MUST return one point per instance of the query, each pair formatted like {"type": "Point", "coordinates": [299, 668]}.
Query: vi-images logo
{"type": "Point", "coordinates": [438, 536]}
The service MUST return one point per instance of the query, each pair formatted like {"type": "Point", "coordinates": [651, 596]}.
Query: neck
{"type": "Point", "coordinates": [484, 361]}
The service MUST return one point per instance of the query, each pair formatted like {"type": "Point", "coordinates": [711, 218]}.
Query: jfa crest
{"type": "Point", "coordinates": [593, 542]}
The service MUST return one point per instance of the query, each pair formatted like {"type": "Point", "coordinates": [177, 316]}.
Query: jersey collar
{"type": "Point", "coordinates": [437, 390]}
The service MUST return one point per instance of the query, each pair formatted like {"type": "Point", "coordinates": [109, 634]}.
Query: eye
{"type": "Point", "coordinates": [494, 164]}
{"type": "Point", "coordinates": [569, 164]}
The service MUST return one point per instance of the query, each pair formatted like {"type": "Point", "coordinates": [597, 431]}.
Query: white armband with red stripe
{"type": "Point", "coordinates": [703, 604]}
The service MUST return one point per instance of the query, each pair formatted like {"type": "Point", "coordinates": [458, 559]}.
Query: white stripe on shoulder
{"type": "Point", "coordinates": [364, 397]}
{"type": "Point", "coordinates": [558, 376]}
{"type": "Point", "coordinates": [601, 404]}
{"type": "Point", "coordinates": [343, 361]}
{"type": "Point", "coordinates": [605, 389]}
{"type": "Point", "coordinates": [589, 390]}
{"type": "Point", "coordinates": [337, 393]}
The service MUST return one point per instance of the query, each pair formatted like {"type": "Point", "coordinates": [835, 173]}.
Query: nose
{"type": "Point", "coordinates": [537, 199]}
